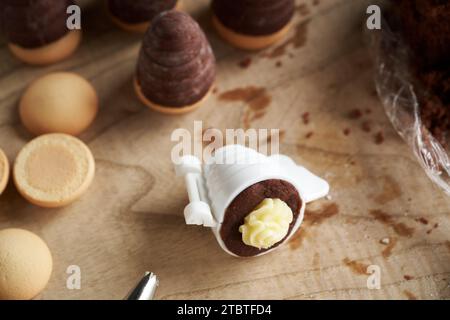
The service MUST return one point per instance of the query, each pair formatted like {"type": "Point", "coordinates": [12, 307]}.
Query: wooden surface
{"type": "Point", "coordinates": [131, 219]}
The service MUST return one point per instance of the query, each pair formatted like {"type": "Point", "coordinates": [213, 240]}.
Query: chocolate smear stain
{"type": "Point", "coordinates": [408, 277]}
{"type": "Point", "coordinates": [298, 40]}
{"type": "Point", "coordinates": [355, 266]}
{"type": "Point", "coordinates": [256, 98]}
{"type": "Point", "coordinates": [297, 239]}
{"type": "Point", "coordinates": [386, 253]}
{"type": "Point", "coordinates": [319, 216]}
{"type": "Point", "coordinates": [409, 295]}
{"type": "Point", "coordinates": [400, 228]}
{"type": "Point", "coordinates": [311, 219]}
{"type": "Point", "coordinates": [391, 191]}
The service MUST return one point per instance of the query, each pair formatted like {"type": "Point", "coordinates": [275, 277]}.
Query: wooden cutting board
{"type": "Point", "coordinates": [318, 90]}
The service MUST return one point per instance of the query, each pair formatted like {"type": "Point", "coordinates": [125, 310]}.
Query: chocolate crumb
{"type": "Point", "coordinates": [306, 117]}
{"type": "Point", "coordinates": [309, 135]}
{"type": "Point", "coordinates": [408, 277]}
{"type": "Point", "coordinates": [346, 131]}
{"type": "Point", "coordinates": [279, 64]}
{"type": "Point", "coordinates": [244, 64]}
{"type": "Point", "coordinates": [379, 138]}
{"type": "Point", "coordinates": [422, 220]}
{"type": "Point", "coordinates": [355, 114]}
{"type": "Point", "coordinates": [435, 226]}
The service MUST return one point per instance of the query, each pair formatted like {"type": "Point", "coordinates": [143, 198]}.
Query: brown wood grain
{"type": "Point", "coordinates": [131, 218]}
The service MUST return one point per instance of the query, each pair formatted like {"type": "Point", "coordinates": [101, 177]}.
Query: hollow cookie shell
{"type": "Point", "coordinates": [4, 171]}
{"type": "Point", "coordinates": [25, 264]}
{"type": "Point", "coordinates": [54, 170]}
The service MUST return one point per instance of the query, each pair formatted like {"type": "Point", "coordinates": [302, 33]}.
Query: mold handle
{"type": "Point", "coordinates": [198, 211]}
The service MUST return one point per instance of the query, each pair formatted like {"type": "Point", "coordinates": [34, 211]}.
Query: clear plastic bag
{"type": "Point", "coordinates": [399, 95]}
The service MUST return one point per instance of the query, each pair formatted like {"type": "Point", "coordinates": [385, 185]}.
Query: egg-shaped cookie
{"type": "Point", "coordinates": [25, 264]}
{"type": "Point", "coordinates": [60, 102]}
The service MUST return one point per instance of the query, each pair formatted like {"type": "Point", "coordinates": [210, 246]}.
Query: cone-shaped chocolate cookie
{"type": "Point", "coordinates": [252, 24]}
{"type": "Point", "coordinates": [176, 66]}
{"type": "Point", "coordinates": [37, 30]}
{"type": "Point", "coordinates": [136, 15]}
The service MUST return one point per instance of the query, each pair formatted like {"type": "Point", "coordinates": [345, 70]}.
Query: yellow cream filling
{"type": "Point", "coordinates": [267, 224]}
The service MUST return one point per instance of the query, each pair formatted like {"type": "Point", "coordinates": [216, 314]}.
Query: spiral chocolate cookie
{"type": "Point", "coordinates": [252, 24]}
{"type": "Point", "coordinates": [135, 16]}
{"type": "Point", "coordinates": [176, 66]}
{"type": "Point", "coordinates": [36, 30]}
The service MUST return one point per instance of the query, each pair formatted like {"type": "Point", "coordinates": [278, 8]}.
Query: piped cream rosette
{"type": "Point", "coordinates": [267, 224]}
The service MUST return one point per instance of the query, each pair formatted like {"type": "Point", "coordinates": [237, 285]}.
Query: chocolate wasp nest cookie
{"type": "Point", "coordinates": [136, 15]}
{"type": "Point", "coordinates": [252, 24]}
{"type": "Point", "coordinates": [176, 66]}
{"type": "Point", "coordinates": [37, 30]}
